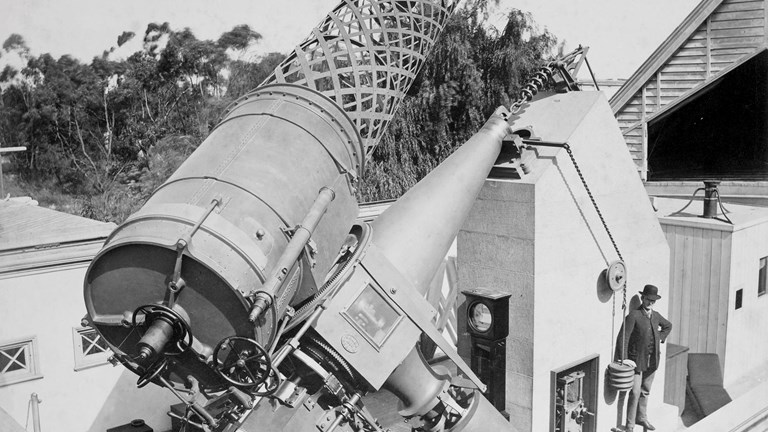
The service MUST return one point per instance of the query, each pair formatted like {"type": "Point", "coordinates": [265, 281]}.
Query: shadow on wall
{"type": "Point", "coordinates": [604, 291]}
{"type": "Point", "coordinates": [126, 402]}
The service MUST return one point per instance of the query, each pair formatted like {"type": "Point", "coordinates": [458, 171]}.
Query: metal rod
{"type": "Point", "coordinates": [294, 342]}
{"type": "Point", "coordinates": [597, 87]}
{"type": "Point", "coordinates": [35, 402]}
{"type": "Point", "coordinates": [292, 252]}
{"type": "Point", "coordinates": [194, 406]}
{"type": "Point", "coordinates": [183, 242]}
{"type": "Point", "coordinates": [340, 416]}
{"type": "Point", "coordinates": [544, 143]}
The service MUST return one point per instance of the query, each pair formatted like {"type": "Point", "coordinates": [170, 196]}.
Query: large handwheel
{"type": "Point", "coordinates": [152, 372]}
{"type": "Point", "coordinates": [182, 334]}
{"type": "Point", "coordinates": [242, 361]}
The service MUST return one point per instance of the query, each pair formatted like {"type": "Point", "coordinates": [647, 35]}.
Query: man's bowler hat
{"type": "Point", "coordinates": [651, 292]}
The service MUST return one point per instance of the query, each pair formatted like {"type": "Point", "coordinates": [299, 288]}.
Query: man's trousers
{"type": "Point", "coordinates": [637, 402]}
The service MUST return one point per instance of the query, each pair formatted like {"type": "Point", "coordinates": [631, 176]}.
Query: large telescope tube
{"type": "Point", "coordinates": [252, 221]}
{"type": "Point", "coordinates": [216, 229]}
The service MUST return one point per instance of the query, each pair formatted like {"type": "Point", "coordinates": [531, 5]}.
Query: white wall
{"type": "Point", "coordinates": [573, 311]}
{"type": "Point", "coordinates": [540, 240]}
{"type": "Point", "coordinates": [747, 344]}
{"type": "Point", "coordinates": [48, 305]}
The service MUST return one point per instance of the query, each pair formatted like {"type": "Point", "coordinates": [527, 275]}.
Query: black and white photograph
{"type": "Point", "coordinates": [384, 216]}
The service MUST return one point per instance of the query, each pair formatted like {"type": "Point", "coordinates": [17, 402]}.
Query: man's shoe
{"type": "Point", "coordinates": [647, 425]}
{"type": "Point", "coordinates": [629, 429]}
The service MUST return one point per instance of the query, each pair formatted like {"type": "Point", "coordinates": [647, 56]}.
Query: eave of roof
{"type": "Point", "coordinates": [33, 237]}
{"type": "Point", "coordinates": [663, 52]}
{"type": "Point", "coordinates": [685, 97]}
{"type": "Point", "coordinates": [742, 216]}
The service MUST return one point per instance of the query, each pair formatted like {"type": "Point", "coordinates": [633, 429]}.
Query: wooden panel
{"type": "Point", "coordinates": [727, 58]}
{"type": "Point", "coordinates": [737, 24]}
{"type": "Point", "coordinates": [627, 120]}
{"type": "Point", "coordinates": [675, 242]}
{"type": "Point", "coordinates": [705, 286]}
{"type": "Point", "coordinates": [675, 376]}
{"type": "Point", "coordinates": [699, 284]}
{"type": "Point", "coordinates": [695, 44]}
{"type": "Point", "coordinates": [667, 83]}
{"type": "Point", "coordinates": [737, 42]}
{"type": "Point", "coordinates": [715, 269]}
{"type": "Point", "coordinates": [687, 60]}
{"type": "Point", "coordinates": [686, 319]}
{"type": "Point", "coordinates": [695, 286]}
{"type": "Point", "coordinates": [733, 50]}
{"type": "Point", "coordinates": [667, 99]}
{"type": "Point", "coordinates": [724, 302]}
{"type": "Point", "coordinates": [626, 125]}
{"type": "Point", "coordinates": [737, 32]}
{"type": "Point", "coordinates": [683, 68]}
{"type": "Point", "coordinates": [683, 76]}
{"type": "Point", "coordinates": [687, 52]}
{"type": "Point", "coordinates": [633, 108]}
{"type": "Point", "coordinates": [700, 33]}
{"type": "Point", "coordinates": [736, 6]}
{"type": "Point", "coordinates": [674, 92]}
{"type": "Point", "coordinates": [722, 16]}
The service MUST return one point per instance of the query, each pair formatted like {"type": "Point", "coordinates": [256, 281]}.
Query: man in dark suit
{"type": "Point", "coordinates": [645, 330]}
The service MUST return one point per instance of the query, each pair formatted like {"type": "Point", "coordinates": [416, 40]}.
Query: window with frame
{"type": "Point", "coordinates": [90, 348]}
{"type": "Point", "coordinates": [762, 281]}
{"type": "Point", "coordinates": [19, 361]}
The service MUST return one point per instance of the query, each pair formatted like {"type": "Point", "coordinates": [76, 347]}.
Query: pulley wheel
{"type": "Point", "coordinates": [616, 275]}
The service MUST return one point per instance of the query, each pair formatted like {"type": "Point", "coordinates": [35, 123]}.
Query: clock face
{"type": "Point", "coordinates": [480, 317]}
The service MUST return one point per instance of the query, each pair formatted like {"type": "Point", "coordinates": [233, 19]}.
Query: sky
{"type": "Point", "coordinates": [621, 34]}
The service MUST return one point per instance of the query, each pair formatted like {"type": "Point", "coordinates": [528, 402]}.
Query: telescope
{"type": "Point", "coordinates": [245, 286]}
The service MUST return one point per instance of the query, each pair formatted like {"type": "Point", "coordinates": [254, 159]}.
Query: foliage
{"type": "Point", "coordinates": [92, 130]}
{"type": "Point", "coordinates": [108, 132]}
{"type": "Point", "coordinates": [472, 70]}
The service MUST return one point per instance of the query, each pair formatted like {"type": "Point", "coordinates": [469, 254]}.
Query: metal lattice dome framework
{"type": "Point", "coordinates": [365, 55]}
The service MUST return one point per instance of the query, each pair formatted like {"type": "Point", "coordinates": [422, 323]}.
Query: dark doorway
{"type": "Point", "coordinates": [721, 132]}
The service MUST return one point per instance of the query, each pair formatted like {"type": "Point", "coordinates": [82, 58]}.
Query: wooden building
{"type": "Point", "coordinates": [718, 280]}
{"type": "Point", "coordinates": [696, 108]}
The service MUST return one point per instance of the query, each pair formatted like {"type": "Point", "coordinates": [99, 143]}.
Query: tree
{"type": "Point", "coordinates": [472, 70]}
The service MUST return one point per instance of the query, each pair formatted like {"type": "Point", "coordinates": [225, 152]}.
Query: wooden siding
{"type": "Point", "coordinates": [734, 30]}
{"type": "Point", "coordinates": [699, 283]}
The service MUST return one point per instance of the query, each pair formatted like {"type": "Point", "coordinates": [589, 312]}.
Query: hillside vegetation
{"type": "Point", "coordinates": [101, 136]}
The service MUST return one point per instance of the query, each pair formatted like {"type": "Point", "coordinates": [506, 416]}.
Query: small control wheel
{"type": "Point", "coordinates": [616, 275]}
{"type": "Point", "coordinates": [182, 334]}
{"type": "Point", "coordinates": [242, 361]}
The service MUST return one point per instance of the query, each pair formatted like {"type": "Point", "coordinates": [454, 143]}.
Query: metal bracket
{"type": "Point", "coordinates": [417, 308]}
{"type": "Point", "coordinates": [177, 283]}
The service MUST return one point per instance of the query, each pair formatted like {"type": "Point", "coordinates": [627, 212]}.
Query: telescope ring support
{"type": "Point", "coordinates": [181, 331]}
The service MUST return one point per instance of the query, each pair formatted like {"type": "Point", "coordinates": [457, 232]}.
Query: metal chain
{"type": "Point", "coordinates": [592, 198]}
{"type": "Point", "coordinates": [607, 230]}
{"type": "Point", "coordinates": [532, 87]}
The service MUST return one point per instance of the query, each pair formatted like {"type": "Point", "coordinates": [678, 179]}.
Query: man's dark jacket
{"type": "Point", "coordinates": [638, 338]}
